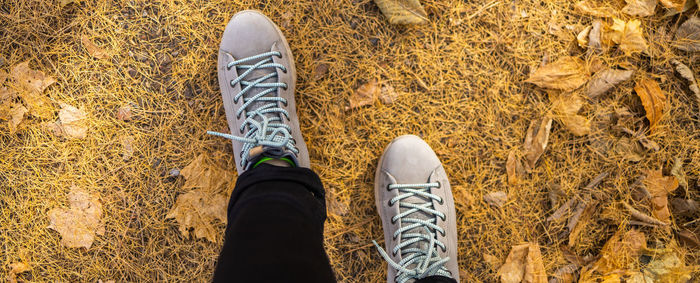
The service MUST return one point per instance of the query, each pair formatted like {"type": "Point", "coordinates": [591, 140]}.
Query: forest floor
{"type": "Point", "coordinates": [111, 131]}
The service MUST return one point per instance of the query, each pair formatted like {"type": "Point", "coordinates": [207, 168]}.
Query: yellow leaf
{"type": "Point", "coordinates": [402, 12]}
{"type": "Point", "coordinates": [566, 108]}
{"type": "Point", "coordinates": [588, 8]}
{"type": "Point", "coordinates": [16, 268]}
{"type": "Point", "coordinates": [567, 74]}
{"type": "Point", "coordinates": [582, 37]}
{"type": "Point", "coordinates": [79, 224]}
{"type": "Point", "coordinates": [72, 122]}
{"type": "Point", "coordinates": [32, 84]}
{"type": "Point", "coordinates": [201, 207]}
{"type": "Point", "coordinates": [621, 250]}
{"type": "Point", "coordinates": [524, 264]}
{"type": "Point", "coordinates": [93, 49]}
{"type": "Point", "coordinates": [632, 39]}
{"type": "Point", "coordinates": [640, 8]}
{"type": "Point", "coordinates": [673, 4]}
{"type": "Point", "coordinates": [653, 99]}
{"type": "Point", "coordinates": [514, 168]}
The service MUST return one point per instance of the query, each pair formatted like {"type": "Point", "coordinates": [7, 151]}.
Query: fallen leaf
{"type": "Point", "coordinates": [667, 267]}
{"type": "Point", "coordinates": [677, 171]}
{"type": "Point", "coordinates": [685, 207]}
{"type": "Point", "coordinates": [497, 199]}
{"type": "Point", "coordinates": [605, 80]}
{"type": "Point", "coordinates": [567, 74]}
{"type": "Point", "coordinates": [673, 4]}
{"type": "Point", "coordinates": [643, 217]}
{"type": "Point", "coordinates": [72, 122]}
{"type": "Point", "coordinates": [199, 208]}
{"type": "Point", "coordinates": [403, 12]}
{"type": "Point", "coordinates": [78, 224]}
{"type": "Point", "coordinates": [17, 113]}
{"type": "Point", "coordinates": [659, 187]}
{"type": "Point", "coordinates": [687, 74]}
{"type": "Point", "coordinates": [388, 95]}
{"type": "Point", "coordinates": [524, 264]}
{"type": "Point", "coordinates": [124, 113]}
{"type": "Point", "coordinates": [320, 71]}
{"type": "Point", "coordinates": [629, 36]}
{"type": "Point", "coordinates": [582, 219]}
{"type": "Point", "coordinates": [364, 95]}
{"type": "Point", "coordinates": [15, 269]}
{"type": "Point", "coordinates": [621, 250]}
{"type": "Point", "coordinates": [565, 274]}
{"type": "Point", "coordinates": [582, 37]}
{"type": "Point", "coordinates": [640, 8]}
{"type": "Point", "coordinates": [492, 260]}
{"type": "Point", "coordinates": [689, 238]}
{"type": "Point", "coordinates": [566, 108]}
{"type": "Point", "coordinates": [64, 3]}
{"type": "Point", "coordinates": [93, 49]}
{"type": "Point", "coordinates": [688, 35]}
{"type": "Point", "coordinates": [33, 83]}
{"type": "Point", "coordinates": [653, 100]}
{"type": "Point", "coordinates": [594, 37]}
{"type": "Point", "coordinates": [536, 140]}
{"type": "Point", "coordinates": [514, 168]}
{"type": "Point", "coordinates": [127, 142]}
{"type": "Point", "coordinates": [588, 8]}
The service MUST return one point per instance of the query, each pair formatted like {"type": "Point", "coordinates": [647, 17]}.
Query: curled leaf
{"type": "Point", "coordinates": [567, 74]}
{"type": "Point", "coordinates": [687, 74]}
{"type": "Point", "coordinates": [653, 100]}
{"type": "Point", "coordinates": [403, 12]}
{"type": "Point", "coordinates": [536, 140]}
{"type": "Point", "coordinates": [514, 168]}
{"type": "Point", "coordinates": [566, 108]}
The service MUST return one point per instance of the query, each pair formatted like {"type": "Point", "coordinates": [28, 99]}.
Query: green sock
{"type": "Point", "coordinates": [270, 158]}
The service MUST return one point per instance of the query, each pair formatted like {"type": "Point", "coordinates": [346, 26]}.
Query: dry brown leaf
{"type": "Point", "coordinates": [591, 9]}
{"type": "Point", "coordinates": [15, 269]}
{"type": "Point", "coordinates": [17, 113]}
{"type": "Point", "coordinates": [677, 171]}
{"type": "Point", "coordinates": [524, 264]}
{"type": "Point", "coordinates": [492, 260]}
{"type": "Point", "coordinates": [93, 49]}
{"type": "Point", "coordinates": [581, 221]}
{"type": "Point", "coordinates": [565, 274]}
{"type": "Point", "coordinates": [653, 100]}
{"type": "Point", "coordinates": [659, 186]}
{"type": "Point", "coordinates": [621, 250]}
{"type": "Point", "coordinates": [643, 217]}
{"type": "Point", "coordinates": [536, 140]}
{"type": "Point", "coordinates": [124, 113]}
{"type": "Point", "coordinates": [127, 142]}
{"type": "Point", "coordinates": [667, 267]}
{"type": "Point", "coordinates": [567, 74]}
{"type": "Point", "coordinates": [199, 208]}
{"type": "Point", "coordinates": [582, 37]}
{"type": "Point", "coordinates": [640, 8]}
{"type": "Point", "coordinates": [594, 37]}
{"type": "Point", "coordinates": [514, 168]}
{"type": "Point", "coordinates": [320, 71]}
{"type": "Point", "coordinates": [631, 38]}
{"type": "Point", "coordinates": [388, 95]}
{"type": "Point", "coordinates": [688, 75]}
{"type": "Point", "coordinates": [364, 95]}
{"type": "Point", "coordinates": [33, 83]}
{"type": "Point", "coordinates": [72, 123]}
{"type": "Point", "coordinates": [688, 35]}
{"type": "Point", "coordinates": [685, 207]}
{"type": "Point", "coordinates": [689, 238]}
{"type": "Point", "coordinates": [78, 224]}
{"type": "Point", "coordinates": [673, 4]}
{"type": "Point", "coordinates": [497, 199]}
{"type": "Point", "coordinates": [403, 12]}
{"type": "Point", "coordinates": [605, 80]}
{"type": "Point", "coordinates": [566, 108]}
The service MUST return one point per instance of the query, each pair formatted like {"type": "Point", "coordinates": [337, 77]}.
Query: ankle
{"type": "Point", "coordinates": [279, 162]}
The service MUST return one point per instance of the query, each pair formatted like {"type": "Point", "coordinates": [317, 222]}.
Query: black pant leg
{"type": "Point", "coordinates": [275, 228]}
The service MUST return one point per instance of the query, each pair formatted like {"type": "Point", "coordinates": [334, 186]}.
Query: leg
{"type": "Point", "coordinates": [275, 228]}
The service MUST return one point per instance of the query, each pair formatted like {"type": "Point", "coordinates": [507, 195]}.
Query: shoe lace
{"type": "Point", "coordinates": [264, 122]}
{"type": "Point", "coordinates": [417, 262]}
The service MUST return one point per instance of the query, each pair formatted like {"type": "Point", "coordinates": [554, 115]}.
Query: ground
{"type": "Point", "coordinates": [460, 79]}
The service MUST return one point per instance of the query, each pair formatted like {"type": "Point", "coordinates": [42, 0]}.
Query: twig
{"type": "Point", "coordinates": [596, 181]}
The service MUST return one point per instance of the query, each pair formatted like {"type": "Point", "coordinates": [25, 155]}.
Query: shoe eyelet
{"type": "Point", "coordinates": [279, 55]}
{"type": "Point", "coordinates": [285, 86]}
{"type": "Point", "coordinates": [240, 131]}
{"type": "Point", "coordinates": [439, 185]}
{"type": "Point", "coordinates": [393, 221]}
{"type": "Point", "coordinates": [441, 201]}
{"type": "Point", "coordinates": [388, 188]}
{"type": "Point", "coordinates": [390, 205]}
{"type": "Point", "coordinates": [284, 70]}
{"type": "Point", "coordinates": [444, 250]}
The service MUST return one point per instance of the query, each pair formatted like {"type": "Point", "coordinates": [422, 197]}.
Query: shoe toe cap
{"type": "Point", "coordinates": [409, 159]}
{"type": "Point", "coordinates": [249, 33]}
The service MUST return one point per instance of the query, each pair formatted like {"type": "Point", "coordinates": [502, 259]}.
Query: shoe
{"type": "Point", "coordinates": [257, 80]}
{"type": "Point", "coordinates": [415, 204]}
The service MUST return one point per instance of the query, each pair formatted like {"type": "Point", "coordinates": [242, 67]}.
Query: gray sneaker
{"type": "Point", "coordinates": [257, 80]}
{"type": "Point", "coordinates": [415, 204]}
